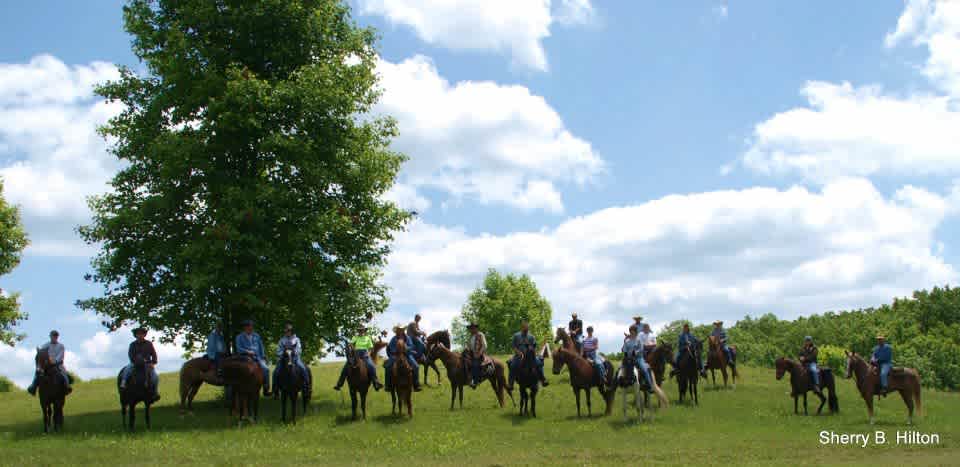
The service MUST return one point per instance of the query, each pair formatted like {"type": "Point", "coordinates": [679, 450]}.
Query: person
{"type": "Point", "coordinates": [522, 342]}
{"type": "Point", "coordinates": [575, 327]}
{"type": "Point", "coordinates": [808, 358]}
{"type": "Point", "coordinates": [638, 322]}
{"type": "Point", "coordinates": [55, 351]}
{"type": "Point", "coordinates": [417, 335]}
{"type": "Point", "coordinates": [216, 345]}
{"type": "Point", "coordinates": [686, 338]}
{"type": "Point", "coordinates": [142, 353]}
{"type": "Point", "coordinates": [250, 344]}
{"type": "Point", "coordinates": [648, 339]}
{"type": "Point", "coordinates": [722, 335]}
{"type": "Point", "coordinates": [474, 353]}
{"type": "Point", "coordinates": [591, 351]}
{"type": "Point", "coordinates": [362, 345]}
{"type": "Point", "coordinates": [634, 346]}
{"type": "Point", "coordinates": [392, 355]}
{"type": "Point", "coordinates": [289, 340]}
{"type": "Point", "coordinates": [883, 357]}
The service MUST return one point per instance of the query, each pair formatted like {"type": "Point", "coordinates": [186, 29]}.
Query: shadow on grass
{"type": "Point", "coordinates": [515, 418]}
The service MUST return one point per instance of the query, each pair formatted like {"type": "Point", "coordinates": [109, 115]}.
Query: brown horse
{"type": "Point", "coordinates": [358, 379]}
{"type": "Point", "coordinates": [193, 374]}
{"type": "Point", "coordinates": [906, 381]}
{"type": "Point", "coordinates": [717, 360]}
{"type": "Point", "coordinates": [457, 374]}
{"type": "Point", "coordinates": [800, 383]}
{"type": "Point", "coordinates": [439, 337]}
{"type": "Point", "coordinates": [688, 370]}
{"type": "Point", "coordinates": [401, 384]}
{"type": "Point", "coordinates": [583, 377]}
{"type": "Point", "coordinates": [658, 359]}
{"type": "Point", "coordinates": [245, 378]}
{"type": "Point", "coordinates": [51, 391]}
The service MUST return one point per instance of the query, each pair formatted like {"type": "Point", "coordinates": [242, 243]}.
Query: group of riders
{"type": "Point", "coordinates": [637, 343]}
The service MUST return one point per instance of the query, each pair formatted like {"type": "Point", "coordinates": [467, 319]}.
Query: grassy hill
{"type": "Point", "coordinates": [752, 425]}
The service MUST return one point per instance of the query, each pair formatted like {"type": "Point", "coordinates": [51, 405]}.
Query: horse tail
{"type": "Point", "coordinates": [660, 395]}
{"type": "Point", "coordinates": [916, 393]}
{"type": "Point", "coordinates": [500, 375]}
{"type": "Point", "coordinates": [830, 383]}
{"type": "Point", "coordinates": [184, 387]}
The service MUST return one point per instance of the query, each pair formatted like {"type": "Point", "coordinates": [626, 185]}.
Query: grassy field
{"type": "Point", "coordinates": [752, 425]}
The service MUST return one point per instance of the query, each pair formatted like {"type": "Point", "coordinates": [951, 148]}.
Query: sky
{"type": "Point", "coordinates": [679, 160]}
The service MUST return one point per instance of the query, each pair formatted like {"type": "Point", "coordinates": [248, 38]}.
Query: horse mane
{"type": "Point", "coordinates": [375, 354]}
{"type": "Point", "coordinates": [563, 336]}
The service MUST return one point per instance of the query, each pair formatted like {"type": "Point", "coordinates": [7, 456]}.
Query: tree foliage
{"type": "Point", "coordinates": [499, 305]}
{"type": "Point", "coordinates": [13, 240]}
{"type": "Point", "coordinates": [254, 173]}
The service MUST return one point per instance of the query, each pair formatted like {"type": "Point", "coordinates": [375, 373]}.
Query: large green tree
{"type": "Point", "coordinates": [13, 239]}
{"type": "Point", "coordinates": [254, 172]}
{"type": "Point", "coordinates": [499, 305]}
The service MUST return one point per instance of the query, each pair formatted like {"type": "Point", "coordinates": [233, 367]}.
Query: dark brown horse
{"type": "Point", "coordinates": [457, 374]}
{"type": "Point", "coordinates": [193, 374]}
{"type": "Point", "coordinates": [292, 385]}
{"type": "Point", "coordinates": [401, 382]}
{"type": "Point", "coordinates": [717, 360]}
{"type": "Point", "coordinates": [438, 337]}
{"type": "Point", "coordinates": [528, 378]}
{"type": "Point", "coordinates": [801, 383]}
{"type": "Point", "coordinates": [583, 377]}
{"type": "Point", "coordinates": [688, 371]}
{"type": "Point", "coordinates": [658, 359]}
{"type": "Point", "coordinates": [136, 391]}
{"type": "Point", "coordinates": [245, 378]}
{"type": "Point", "coordinates": [358, 380]}
{"type": "Point", "coordinates": [52, 391]}
{"type": "Point", "coordinates": [906, 381]}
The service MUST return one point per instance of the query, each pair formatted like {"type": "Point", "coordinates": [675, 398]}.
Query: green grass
{"type": "Point", "coordinates": [752, 425]}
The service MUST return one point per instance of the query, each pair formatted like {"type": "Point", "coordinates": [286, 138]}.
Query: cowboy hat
{"type": "Point", "coordinates": [881, 336]}
{"type": "Point", "coordinates": [473, 325]}
{"type": "Point", "coordinates": [638, 318]}
{"type": "Point", "coordinates": [718, 322]}
{"type": "Point", "coordinates": [808, 338]}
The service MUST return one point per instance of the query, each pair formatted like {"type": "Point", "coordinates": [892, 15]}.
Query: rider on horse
{"type": "Point", "coordinates": [808, 358]}
{"type": "Point", "coordinates": [55, 350]}
{"type": "Point", "coordinates": [411, 359]}
{"type": "Point", "coordinates": [474, 353]}
{"type": "Point", "coordinates": [575, 328]}
{"type": "Point", "coordinates": [522, 342]}
{"type": "Point", "coordinates": [216, 346]}
{"type": "Point", "coordinates": [648, 339]}
{"type": "Point", "coordinates": [292, 342]}
{"type": "Point", "coordinates": [686, 339]}
{"type": "Point", "coordinates": [362, 345]}
{"type": "Point", "coordinates": [638, 322]}
{"type": "Point", "coordinates": [722, 336]}
{"type": "Point", "coordinates": [883, 357]}
{"type": "Point", "coordinates": [634, 346]}
{"type": "Point", "coordinates": [250, 344]}
{"type": "Point", "coordinates": [142, 353]}
{"type": "Point", "coordinates": [591, 351]}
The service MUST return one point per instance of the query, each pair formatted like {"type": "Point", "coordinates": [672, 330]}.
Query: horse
{"type": "Point", "coordinates": [801, 382]}
{"type": "Point", "coordinates": [193, 374]}
{"type": "Point", "coordinates": [457, 374]}
{"type": "Point", "coordinates": [136, 391]}
{"type": "Point", "coordinates": [441, 337]}
{"type": "Point", "coordinates": [358, 380]}
{"type": "Point", "coordinates": [717, 360]}
{"type": "Point", "coordinates": [401, 384]}
{"type": "Point", "coordinates": [906, 381]}
{"type": "Point", "coordinates": [562, 337]}
{"type": "Point", "coordinates": [528, 379]}
{"type": "Point", "coordinates": [688, 371]}
{"type": "Point", "coordinates": [583, 376]}
{"type": "Point", "coordinates": [658, 359]}
{"type": "Point", "coordinates": [244, 376]}
{"type": "Point", "coordinates": [630, 378]}
{"type": "Point", "coordinates": [51, 391]}
{"type": "Point", "coordinates": [291, 385]}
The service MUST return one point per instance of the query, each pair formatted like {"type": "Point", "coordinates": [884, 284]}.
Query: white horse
{"type": "Point", "coordinates": [628, 377]}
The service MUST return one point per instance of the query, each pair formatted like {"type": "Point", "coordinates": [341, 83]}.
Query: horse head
{"type": "Point", "coordinates": [853, 360]}
{"type": "Point", "coordinates": [559, 359]}
{"type": "Point", "coordinates": [781, 365]}
{"type": "Point", "coordinates": [714, 342]}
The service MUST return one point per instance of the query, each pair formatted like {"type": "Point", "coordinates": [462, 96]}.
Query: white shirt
{"type": "Point", "coordinates": [648, 338]}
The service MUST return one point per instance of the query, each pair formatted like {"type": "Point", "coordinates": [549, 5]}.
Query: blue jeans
{"type": "Point", "coordinates": [644, 369]}
{"type": "Point", "coordinates": [419, 347]}
{"type": "Point", "coordinates": [413, 366]}
{"type": "Point", "coordinates": [729, 353]}
{"type": "Point", "coordinates": [884, 372]}
{"type": "Point", "coordinates": [36, 375]}
{"type": "Point", "coordinates": [152, 373]}
{"type": "Point", "coordinates": [814, 373]}
{"type": "Point", "coordinates": [594, 358]}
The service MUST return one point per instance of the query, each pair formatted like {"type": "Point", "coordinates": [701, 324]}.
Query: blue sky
{"type": "Point", "coordinates": [676, 159]}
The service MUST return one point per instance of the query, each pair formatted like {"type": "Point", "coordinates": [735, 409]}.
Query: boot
{"type": "Point", "coordinates": [377, 386]}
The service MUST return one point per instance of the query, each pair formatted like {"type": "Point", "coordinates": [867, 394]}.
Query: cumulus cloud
{"type": "Point", "coordinates": [862, 130]}
{"type": "Point", "coordinates": [51, 158]}
{"type": "Point", "coordinates": [481, 140]}
{"type": "Point", "coordinates": [697, 256]}
{"type": "Point", "coordinates": [507, 26]}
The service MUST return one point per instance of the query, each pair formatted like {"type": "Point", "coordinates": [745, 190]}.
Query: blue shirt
{"type": "Point", "coordinates": [883, 353]}
{"type": "Point", "coordinates": [632, 345]}
{"type": "Point", "coordinates": [215, 345]}
{"type": "Point", "coordinates": [522, 343]}
{"type": "Point", "coordinates": [293, 342]}
{"type": "Point", "coordinates": [251, 344]}
{"type": "Point", "coordinates": [686, 339]}
{"type": "Point", "coordinates": [392, 346]}
{"type": "Point", "coordinates": [719, 332]}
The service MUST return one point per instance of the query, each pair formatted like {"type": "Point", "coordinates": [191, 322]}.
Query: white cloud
{"type": "Point", "coordinates": [699, 256]}
{"type": "Point", "coordinates": [516, 28]}
{"type": "Point", "coordinates": [861, 130]}
{"type": "Point", "coordinates": [51, 158]}
{"type": "Point", "coordinates": [495, 143]}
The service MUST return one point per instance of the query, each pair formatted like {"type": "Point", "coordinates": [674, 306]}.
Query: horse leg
{"type": "Point", "coordinates": [461, 397]}
{"type": "Point", "coordinates": [907, 399]}
{"type": "Point", "coordinates": [589, 407]}
{"type": "Point", "coordinates": [723, 371]}
{"type": "Point", "coordinates": [437, 370]}
{"type": "Point", "coordinates": [363, 403]}
{"type": "Point", "coordinates": [283, 406]}
{"type": "Point", "coordinates": [193, 393]}
{"type": "Point", "coordinates": [46, 417]}
{"type": "Point", "coordinates": [123, 414]}
{"type": "Point", "coordinates": [869, 400]}
{"type": "Point", "coordinates": [576, 393]}
{"type": "Point", "coordinates": [353, 404]}
{"type": "Point", "coordinates": [453, 395]}
{"type": "Point", "coordinates": [805, 403]}
{"type": "Point", "coordinates": [410, 404]}
{"type": "Point", "coordinates": [58, 416]}
{"type": "Point", "coordinates": [796, 406]}
{"type": "Point", "coordinates": [533, 402]}
{"type": "Point", "coordinates": [393, 401]}
{"type": "Point", "coordinates": [293, 407]}
{"type": "Point", "coordinates": [133, 416]}
{"type": "Point", "coordinates": [146, 415]}
{"type": "Point", "coordinates": [713, 374]}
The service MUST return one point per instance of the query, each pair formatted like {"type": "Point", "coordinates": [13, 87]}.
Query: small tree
{"type": "Point", "coordinates": [13, 240]}
{"type": "Point", "coordinates": [499, 305]}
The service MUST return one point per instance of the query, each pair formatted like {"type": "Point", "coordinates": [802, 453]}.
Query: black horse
{"type": "Point", "coordinates": [801, 383]}
{"type": "Point", "coordinates": [688, 369]}
{"type": "Point", "coordinates": [52, 391]}
{"type": "Point", "coordinates": [528, 377]}
{"type": "Point", "coordinates": [137, 390]}
{"type": "Point", "coordinates": [291, 384]}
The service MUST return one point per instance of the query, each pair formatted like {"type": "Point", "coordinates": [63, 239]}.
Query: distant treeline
{"type": "Point", "coordinates": [924, 331]}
